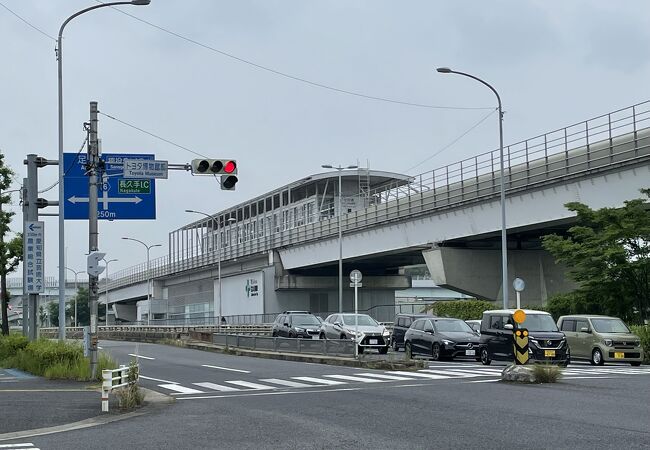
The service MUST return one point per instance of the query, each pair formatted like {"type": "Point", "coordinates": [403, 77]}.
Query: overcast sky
{"type": "Point", "coordinates": [553, 62]}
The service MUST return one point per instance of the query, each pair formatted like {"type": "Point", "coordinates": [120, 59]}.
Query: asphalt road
{"type": "Point", "coordinates": [450, 405]}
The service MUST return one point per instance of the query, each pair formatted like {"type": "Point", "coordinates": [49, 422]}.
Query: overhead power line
{"type": "Point", "coordinates": [27, 22]}
{"type": "Point", "coordinates": [294, 77]}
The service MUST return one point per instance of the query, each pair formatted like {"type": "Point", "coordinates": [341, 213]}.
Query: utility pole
{"type": "Point", "coordinates": [93, 232]}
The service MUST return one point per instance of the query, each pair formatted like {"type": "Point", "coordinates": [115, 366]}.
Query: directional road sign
{"type": "Point", "coordinates": [34, 245]}
{"type": "Point", "coordinates": [118, 198]}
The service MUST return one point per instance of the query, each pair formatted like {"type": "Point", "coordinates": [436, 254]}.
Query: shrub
{"type": "Point", "coordinates": [461, 309]}
{"type": "Point", "coordinates": [130, 397]}
{"type": "Point", "coordinates": [644, 333]}
{"type": "Point", "coordinates": [10, 345]}
{"type": "Point", "coordinates": [546, 373]}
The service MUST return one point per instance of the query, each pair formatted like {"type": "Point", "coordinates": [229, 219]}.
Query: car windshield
{"type": "Point", "coordinates": [304, 319]}
{"type": "Point", "coordinates": [609, 326]}
{"type": "Point", "coordinates": [539, 322]}
{"type": "Point", "coordinates": [348, 319]}
{"type": "Point", "coordinates": [452, 325]}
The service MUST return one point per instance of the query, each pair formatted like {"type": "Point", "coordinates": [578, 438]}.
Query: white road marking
{"type": "Point", "coordinates": [419, 375]}
{"type": "Point", "coordinates": [157, 379]}
{"type": "Point", "coordinates": [288, 383]}
{"type": "Point", "coordinates": [385, 377]}
{"type": "Point", "coordinates": [351, 378]}
{"type": "Point", "coordinates": [481, 381]}
{"type": "Point", "coordinates": [256, 394]}
{"type": "Point", "coordinates": [225, 368]}
{"type": "Point", "coordinates": [140, 356]}
{"type": "Point", "coordinates": [453, 373]}
{"type": "Point", "coordinates": [216, 387]}
{"type": "Point", "coordinates": [248, 384]}
{"type": "Point", "coordinates": [481, 370]}
{"type": "Point", "coordinates": [318, 380]}
{"type": "Point", "coordinates": [16, 445]}
{"type": "Point", "coordinates": [180, 389]}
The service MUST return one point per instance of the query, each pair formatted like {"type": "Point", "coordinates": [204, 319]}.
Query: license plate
{"type": "Point", "coordinates": [315, 336]}
{"type": "Point", "coordinates": [470, 352]}
{"type": "Point", "coordinates": [373, 341]}
{"type": "Point", "coordinates": [549, 353]}
{"type": "Point", "coordinates": [619, 355]}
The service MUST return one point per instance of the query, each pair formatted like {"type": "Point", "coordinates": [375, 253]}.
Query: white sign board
{"type": "Point", "coordinates": [34, 258]}
{"type": "Point", "coordinates": [242, 294]}
{"type": "Point", "coordinates": [144, 168]}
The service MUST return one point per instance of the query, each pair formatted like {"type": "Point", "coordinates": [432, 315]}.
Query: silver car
{"type": "Point", "coordinates": [371, 333]}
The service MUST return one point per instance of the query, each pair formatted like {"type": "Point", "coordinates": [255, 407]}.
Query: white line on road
{"type": "Point", "coordinates": [318, 380]}
{"type": "Point", "coordinates": [454, 373]}
{"type": "Point", "coordinates": [216, 387]}
{"type": "Point", "coordinates": [385, 377]}
{"type": "Point", "coordinates": [140, 356]}
{"type": "Point", "coordinates": [419, 375]}
{"type": "Point", "coordinates": [351, 378]}
{"type": "Point", "coordinates": [16, 445]}
{"type": "Point", "coordinates": [248, 384]}
{"type": "Point", "coordinates": [180, 389]}
{"type": "Point", "coordinates": [225, 368]}
{"type": "Point", "coordinates": [481, 381]}
{"type": "Point", "coordinates": [157, 379]}
{"type": "Point", "coordinates": [288, 383]}
{"type": "Point", "coordinates": [270, 393]}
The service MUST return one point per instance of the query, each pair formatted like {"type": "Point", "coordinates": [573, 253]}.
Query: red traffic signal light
{"type": "Point", "coordinates": [230, 167]}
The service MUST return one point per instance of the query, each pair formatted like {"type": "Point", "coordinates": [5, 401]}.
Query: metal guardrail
{"type": "Point", "coordinates": [76, 332]}
{"type": "Point", "coordinates": [325, 347]}
{"type": "Point", "coordinates": [619, 138]}
{"type": "Point", "coordinates": [115, 379]}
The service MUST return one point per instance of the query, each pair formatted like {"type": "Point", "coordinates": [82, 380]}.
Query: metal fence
{"type": "Point", "coordinates": [329, 347]}
{"type": "Point", "coordinates": [616, 139]}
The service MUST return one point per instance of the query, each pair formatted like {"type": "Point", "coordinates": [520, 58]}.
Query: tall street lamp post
{"type": "Point", "coordinates": [59, 58]}
{"type": "Point", "coordinates": [106, 279]}
{"type": "Point", "coordinates": [340, 169]}
{"type": "Point", "coordinates": [217, 228]}
{"type": "Point", "coordinates": [76, 290]}
{"type": "Point", "coordinates": [148, 247]}
{"type": "Point", "coordinates": [504, 240]}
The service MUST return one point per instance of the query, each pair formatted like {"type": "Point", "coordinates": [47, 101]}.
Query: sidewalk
{"type": "Point", "coordinates": [32, 403]}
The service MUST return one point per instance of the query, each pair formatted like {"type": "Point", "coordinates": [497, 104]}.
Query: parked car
{"type": "Point", "coordinates": [474, 325]}
{"type": "Point", "coordinates": [600, 339]}
{"type": "Point", "coordinates": [439, 338]}
{"type": "Point", "coordinates": [371, 333]}
{"type": "Point", "coordinates": [296, 324]}
{"type": "Point", "coordinates": [545, 342]}
{"type": "Point", "coordinates": [400, 325]}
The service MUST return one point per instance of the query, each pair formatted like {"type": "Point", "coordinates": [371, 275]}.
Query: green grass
{"type": "Point", "coordinates": [546, 373]}
{"type": "Point", "coordinates": [51, 359]}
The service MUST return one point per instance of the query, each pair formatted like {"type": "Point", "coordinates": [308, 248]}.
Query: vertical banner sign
{"type": "Point", "coordinates": [34, 257]}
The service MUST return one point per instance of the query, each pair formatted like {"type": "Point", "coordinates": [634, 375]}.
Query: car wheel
{"type": "Point", "coordinates": [407, 350]}
{"type": "Point", "coordinates": [485, 357]}
{"type": "Point", "coordinates": [636, 363]}
{"type": "Point", "coordinates": [383, 350]}
{"type": "Point", "coordinates": [435, 352]}
{"type": "Point", "coordinates": [343, 337]}
{"type": "Point", "coordinates": [322, 336]}
{"type": "Point", "coordinates": [597, 357]}
{"type": "Point", "coordinates": [274, 334]}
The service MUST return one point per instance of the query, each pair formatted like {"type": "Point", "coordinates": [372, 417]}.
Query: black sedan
{"type": "Point", "coordinates": [440, 338]}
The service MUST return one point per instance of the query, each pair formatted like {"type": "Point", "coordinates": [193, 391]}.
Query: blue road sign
{"type": "Point", "coordinates": [119, 198]}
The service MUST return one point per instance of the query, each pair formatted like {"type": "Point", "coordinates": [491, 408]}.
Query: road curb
{"type": "Point", "coordinates": [317, 359]}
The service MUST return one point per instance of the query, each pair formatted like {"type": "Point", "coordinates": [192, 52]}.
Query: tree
{"type": "Point", "coordinates": [11, 253]}
{"type": "Point", "coordinates": [608, 254]}
{"type": "Point", "coordinates": [83, 307]}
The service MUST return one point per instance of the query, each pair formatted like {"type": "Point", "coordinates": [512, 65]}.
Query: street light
{"type": "Point", "coordinates": [59, 57]}
{"type": "Point", "coordinates": [218, 231]}
{"type": "Point", "coordinates": [504, 240]}
{"type": "Point", "coordinates": [148, 247]}
{"type": "Point", "coordinates": [340, 169]}
{"type": "Point", "coordinates": [76, 290]}
{"type": "Point", "coordinates": [106, 278]}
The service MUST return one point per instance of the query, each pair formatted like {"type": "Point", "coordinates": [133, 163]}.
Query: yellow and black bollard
{"type": "Point", "coordinates": [520, 337]}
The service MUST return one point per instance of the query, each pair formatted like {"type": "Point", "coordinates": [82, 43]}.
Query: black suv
{"type": "Point", "coordinates": [545, 342]}
{"type": "Point", "coordinates": [296, 324]}
{"type": "Point", "coordinates": [400, 325]}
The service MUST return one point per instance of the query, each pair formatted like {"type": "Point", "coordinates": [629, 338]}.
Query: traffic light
{"type": "Point", "coordinates": [228, 182]}
{"type": "Point", "coordinates": [214, 167]}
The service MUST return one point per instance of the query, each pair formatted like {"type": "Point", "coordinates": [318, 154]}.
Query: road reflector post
{"type": "Point", "coordinates": [520, 338]}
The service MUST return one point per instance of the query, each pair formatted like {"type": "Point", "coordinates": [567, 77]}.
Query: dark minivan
{"type": "Point", "coordinates": [545, 342]}
{"type": "Point", "coordinates": [402, 323]}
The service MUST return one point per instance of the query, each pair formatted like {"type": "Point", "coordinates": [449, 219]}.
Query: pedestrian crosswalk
{"type": "Point", "coordinates": [433, 373]}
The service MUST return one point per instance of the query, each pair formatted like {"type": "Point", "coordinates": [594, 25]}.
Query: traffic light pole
{"type": "Point", "coordinates": [93, 232]}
